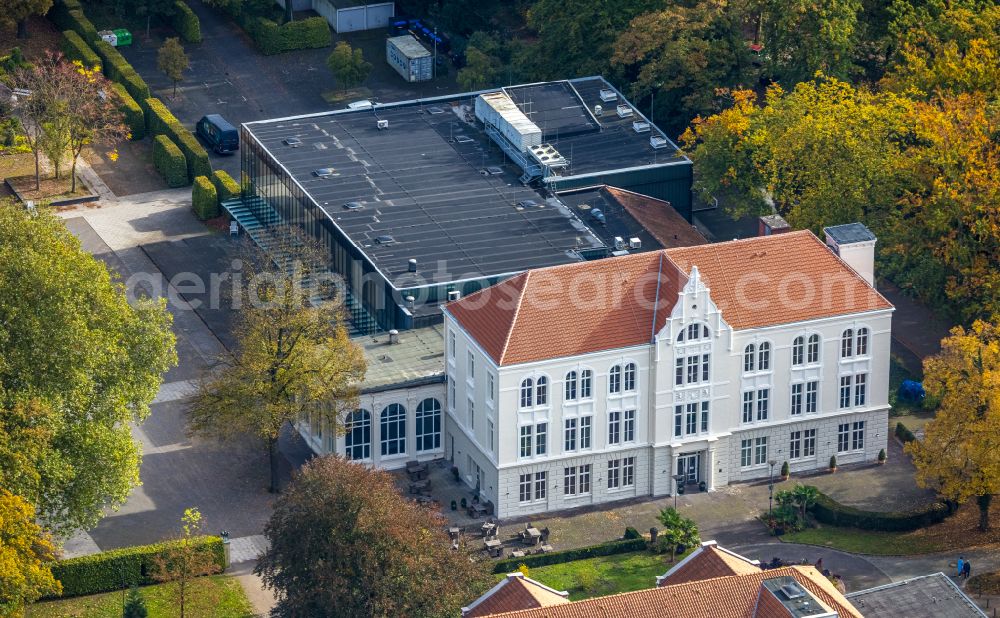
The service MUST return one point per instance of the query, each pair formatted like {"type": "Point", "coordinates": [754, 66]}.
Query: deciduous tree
{"type": "Point", "coordinates": [344, 541]}
{"type": "Point", "coordinates": [186, 559]}
{"type": "Point", "coordinates": [172, 61]}
{"type": "Point", "coordinates": [293, 357]}
{"type": "Point", "coordinates": [80, 364]}
{"type": "Point", "coordinates": [958, 454]}
{"type": "Point", "coordinates": [348, 65]}
{"type": "Point", "coordinates": [25, 555]}
{"type": "Point", "coordinates": [17, 12]}
{"type": "Point", "coordinates": [677, 530]}
{"type": "Point", "coordinates": [802, 37]}
{"type": "Point", "coordinates": [93, 116]}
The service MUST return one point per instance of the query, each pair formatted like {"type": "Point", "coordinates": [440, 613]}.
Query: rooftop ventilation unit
{"type": "Point", "coordinates": [547, 155]}
{"type": "Point", "coordinates": [354, 205]}
{"type": "Point", "coordinates": [435, 110]}
{"type": "Point", "coordinates": [640, 127]}
{"type": "Point", "coordinates": [324, 172]}
{"type": "Point", "coordinates": [454, 295]}
{"type": "Point", "coordinates": [494, 170]}
{"type": "Point", "coordinates": [382, 124]}
{"type": "Point", "coordinates": [792, 591]}
{"type": "Point", "coordinates": [294, 142]}
{"type": "Point", "coordinates": [384, 239]}
{"type": "Point", "coordinates": [608, 94]}
{"type": "Point", "coordinates": [598, 110]}
{"type": "Point", "coordinates": [619, 243]}
{"type": "Point", "coordinates": [464, 139]}
{"type": "Point", "coordinates": [634, 243]}
{"type": "Point", "coordinates": [658, 141]}
{"type": "Point", "coordinates": [624, 111]}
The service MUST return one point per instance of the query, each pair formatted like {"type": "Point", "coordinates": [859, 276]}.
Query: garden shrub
{"type": "Point", "coordinates": [186, 23]}
{"type": "Point", "coordinates": [134, 117]}
{"type": "Point", "coordinates": [75, 49]}
{"type": "Point", "coordinates": [159, 121]}
{"type": "Point", "coordinates": [121, 568]}
{"type": "Point", "coordinates": [225, 187]}
{"type": "Point", "coordinates": [631, 533]}
{"type": "Point", "coordinates": [204, 198]}
{"type": "Point", "coordinates": [158, 117]}
{"type": "Point", "coordinates": [169, 161]}
{"type": "Point", "coordinates": [904, 434]}
{"type": "Point", "coordinates": [73, 19]}
{"type": "Point", "coordinates": [309, 33]}
{"type": "Point", "coordinates": [117, 69]}
{"type": "Point", "coordinates": [611, 548]}
{"type": "Point", "coordinates": [828, 511]}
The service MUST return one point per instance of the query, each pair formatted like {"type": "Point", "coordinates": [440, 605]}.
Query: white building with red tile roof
{"type": "Point", "coordinates": [598, 381]}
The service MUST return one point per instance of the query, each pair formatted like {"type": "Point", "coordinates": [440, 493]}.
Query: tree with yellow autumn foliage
{"type": "Point", "coordinates": [958, 454]}
{"type": "Point", "coordinates": [25, 555]}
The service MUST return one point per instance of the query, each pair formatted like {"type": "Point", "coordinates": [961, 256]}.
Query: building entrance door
{"type": "Point", "coordinates": [689, 466]}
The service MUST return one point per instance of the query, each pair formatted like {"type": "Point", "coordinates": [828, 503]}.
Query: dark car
{"type": "Point", "coordinates": [220, 136]}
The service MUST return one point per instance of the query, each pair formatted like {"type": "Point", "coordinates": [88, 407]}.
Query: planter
{"type": "Point", "coordinates": [832, 470]}
{"type": "Point", "coordinates": [784, 477]}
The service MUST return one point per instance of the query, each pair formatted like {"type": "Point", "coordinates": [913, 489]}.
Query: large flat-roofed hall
{"type": "Point", "coordinates": [419, 202]}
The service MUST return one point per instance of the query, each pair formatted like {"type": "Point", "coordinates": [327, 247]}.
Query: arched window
{"type": "Point", "coordinates": [527, 393]}
{"type": "Point", "coordinates": [813, 354]}
{"type": "Point", "coordinates": [541, 391]}
{"type": "Point", "coordinates": [428, 424]}
{"type": "Point", "coordinates": [861, 349]}
{"type": "Point", "coordinates": [798, 350]}
{"type": "Point", "coordinates": [847, 344]}
{"type": "Point", "coordinates": [571, 386]}
{"type": "Point", "coordinates": [629, 377]}
{"type": "Point", "coordinates": [764, 356]}
{"type": "Point", "coordinates": [680, 336]}
{"type": "Point", "coordinates": [393, 428]}
{"type": "Point", "coordinates": [693, 332]}
{"type": "Point", "coordinates": [586, 378]}
{"type": "Point", "coordinates": [359, 435]}
{"type": "Point", "coordinates": [749, 358]}
{"type": "Point", "coordinates": [615, 379]}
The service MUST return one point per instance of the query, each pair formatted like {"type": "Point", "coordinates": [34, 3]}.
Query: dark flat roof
{"type": "Point", "coordinates": [421, 181]}
{"type": "Point", "coordinates": [850, 233]}
{"type": "Point", "coordinates": [927, 596]}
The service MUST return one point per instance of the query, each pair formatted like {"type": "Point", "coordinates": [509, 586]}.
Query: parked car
{"type": "Point", "coordinates": [220, 136]}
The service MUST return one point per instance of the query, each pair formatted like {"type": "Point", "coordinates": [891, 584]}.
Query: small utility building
{"type": "Point", "coordinates": [424, 201]}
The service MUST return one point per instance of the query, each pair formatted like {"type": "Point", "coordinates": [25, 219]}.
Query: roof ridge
{"type": "Point", "coordinates": [513, 320]}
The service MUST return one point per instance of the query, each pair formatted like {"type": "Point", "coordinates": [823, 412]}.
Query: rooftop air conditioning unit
{"type": "Point", "coordinates": [598, 110]}
{"type": "Point", "coordinates": [624, 111]}
{"type": "Point", "coordinates": [640, 126]}
{"type": "Point", "coordinates": [454, 295]}
{"type": "Point", "coordinates": [607, 94]}
{"type": "Point", "coordinates": [658, 141]}
{"type": "Point", "coordinates": [619, 243]}
{"type": "Point", "coordinates": [634, 243]}
{"type": "Point", "coordinates": [382, 124]}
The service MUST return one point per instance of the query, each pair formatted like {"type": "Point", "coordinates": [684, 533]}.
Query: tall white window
{"type": "Point", "coordinates": [629, 377]}
{"type": "Point", "coordinates": [812, 355]}
{"type": "Point", "coordinates": [845, 392]}
{"type": "Point", "coordinates": [748, 407]}
{"type": "Point", "coordinates": [576, 480]}
{"type": "Point", "coordinates": [678, 421]}
{"type": "Point", "coordinates": [428, 424]}
{"type": "Point", "coordinates": [847, 343]}
{"type": "Point", "coordinates": [541, 480]}
{"type": "Point", "coordinates": [358, 438]}
{"type": "Point", "coordinates": [491, 387]}
{"type": "Point", "coordinates": [541, 391]}
{"type": "Point", "coordinates": [798, 350]}
{"type": "Point", "coordinates": [760, 451]}
{"type": "Point", "coordinates": [527, 434]}
{"type": "Point", "coordinates": [860, 389]}
{"type": "Point", "coordinates": [797, 398]}
{"type": "Point", "coordinates": [393, 426]}
{"type": "Point", "coordinates": [861, 346]}
{"type": "Point", "coordinates": [628, 427]}
{"type": "Point", "coordinates": [526, 485]}
{"type": "Point", "coordinates": [451, 345]}
{"type": "Point", "coordinates": [527, 393]}
{"type": "Point", "coordinates": [843, 437]}
{"type": "Point", "coordinates": [749, 358]}
{"type": "Point", "coordinates": [615, 379]}
{"type": "Point", "coordinates": [764, 356]}
{"type": "Point", "coordinates": [491, 434]}
{"type": "Point", "coordinates": [763, 403]}
{"type": "Point", "coordinates": [679, 371]}
{"type": "Point", "coordinates": [541, 434]}
{"type": "Point", "coordinates": [586, 379]}
{"type": "Point", "coordinates": [585, 426]}
{"type": "Point", "coordinates": [858, 436]}
{"type": "Point", "coordinates": [795, 445]}
{"type": "Point", "coordinates": [571, 386]}
{"type": "Point", "coordinates": [691, 419]}
{"type": "Point", "coordinates": [615, 427]}
{"type": "Point", "coordinates": [472, 415]}
{"type": "Point", "coordinates": [746, 453]}
{"type": "Point", "coordinates": [451, 393]}
{"type": "Point", "coordinates": [614, 473]}
{"type": "Point", "coordinates": [812, 397]}
{"type": "Point", "coordinates": [808, 442]}
{"type": "Point", "coordinates": [704, 417]}
{"type": "Point", "coordinates": [472, 366]}
{"type": "Point", "coordinates": [524, 493]}
{"type": "Point", "coordinates": [628, 472]}
{"type": "Point", "coordinates": [569, 440]}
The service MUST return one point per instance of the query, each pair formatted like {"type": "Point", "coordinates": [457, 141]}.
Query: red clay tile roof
{"type": "Point", "coordinates": [723, 597]}
{"type": "Point", "coordinates": [605, 304]}
{"type": "Point", "coordinates": [515, 593]}
{"type": "Point", "coordinates": [659, 218]}
{"type": "Point", "coordinates": [709, 562]}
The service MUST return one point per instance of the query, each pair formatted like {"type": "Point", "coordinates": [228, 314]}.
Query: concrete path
{"type": "Point", "coordinates": [260, 597]}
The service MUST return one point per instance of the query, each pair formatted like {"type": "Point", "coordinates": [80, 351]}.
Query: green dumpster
{"type": "Point", "coordinates": [124, 37]}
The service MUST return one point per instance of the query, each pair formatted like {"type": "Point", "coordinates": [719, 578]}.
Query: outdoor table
{"type": "Point", "coordinates": [517, 553]}
{"type": "Point", "coordinates": [454, 531]}
{"type": "Point", "coordinates": [493, 546]}
{"type": "Point", "coordinates": [488, 529]}
{"type": "Point", "coordinates": [547, 548]}
{"type": "Point", "coordinates": [532, 535]}
{"type": "Point", "coordinates": [477, 509]}
{"type": "Point", "coordinates": [418, 486]}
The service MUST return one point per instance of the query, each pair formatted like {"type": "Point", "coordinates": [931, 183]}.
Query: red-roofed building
{"type": "Point", "coordinates": [602, 380]}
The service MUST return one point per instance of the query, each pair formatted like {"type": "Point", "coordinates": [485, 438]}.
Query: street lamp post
{"type": "Point", "coordinates": [770, 487]}
{"type": "Point", "coordinates": [677, 486]}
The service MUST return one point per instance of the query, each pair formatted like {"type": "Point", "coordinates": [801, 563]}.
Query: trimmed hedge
{"type": "Point", "coordinates": [75, 49]}
{"type": "Point", "coordinates": [186, 23]}
{"type": "Point", "coordinates": [117, 69]}
{"type": "Point", "coordinates": [73, 19]}
{"type": "Point", "coordinates": [904, 434]}
{"type": "Point", "coordinates": [225, 187]}
{"type": "Point", "coordinates": [159, 121]}
{"type": "Point", "coordinates": [309, 33]}
{"type": "Point", "coordinates": [118, 568]}
{"type": "Point", "coordinates": [134, 117]}
{"type": "Point", "coordinates": [509, 565]}
{"type": "Point", "coordinates": [169, 161]}
{"type": "Point", "coordinates": [828, 511]}
{"type": "Point", "coordinates": [204, 198]}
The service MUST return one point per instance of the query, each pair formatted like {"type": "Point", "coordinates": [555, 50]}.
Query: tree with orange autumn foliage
{"type": "Point", "coordinates": [25, 555]}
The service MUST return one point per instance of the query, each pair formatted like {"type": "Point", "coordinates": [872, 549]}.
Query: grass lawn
{"type": "Point", "coordinates": [866, 541]}
{"type": "Point", "coordinates": [604, 575]}
{"type": "Point", "coordinates": [217, 596]}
